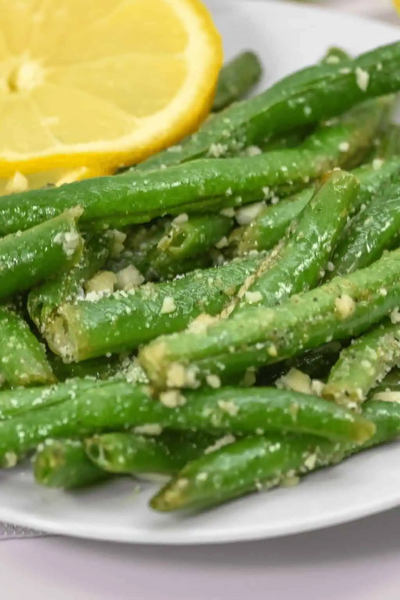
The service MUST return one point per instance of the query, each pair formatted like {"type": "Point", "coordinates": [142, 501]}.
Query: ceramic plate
{"type": "Point", "coordinates": [288, 37]}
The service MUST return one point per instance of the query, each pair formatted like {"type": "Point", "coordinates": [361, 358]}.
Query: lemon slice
{"type": "Point", "coordinates": [88, 82]}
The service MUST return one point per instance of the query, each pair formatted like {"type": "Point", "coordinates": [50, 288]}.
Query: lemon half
{"type": "Point", "coordinates": [101, 83]}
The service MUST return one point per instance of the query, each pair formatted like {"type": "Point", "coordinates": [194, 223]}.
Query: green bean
{"type": "Point", "coordinates": [317, 364]}
{"type": "Point", "coordinates": [303, 255]}
{"type": "Point", "coordinates": [186, 238]}
{"type": "Point", "coordinates": [44, 300]}
{"type": "Point", "coordinates": [80, 410]}
{"type": "Point", "coordinates": [291, 139]}
{"type": "Point", "coordinates": [372, 231]}
{"type": "Point", "coordinates": [271, 223]}
{"type": "Point", "coordinates": [345, 307]}
{"type": "Point", "coordinates": [124, 320]}
{"type": "Point", "coordinates": [63, 464]}
{"type": "Point", "coordinates": [255, 464]}
{"type": "Point", "coordinates": [204, 185]}
{"type": "Point", "coordinates": [363, 364]}
{"type": "Point", "coordinates": [390, 384]}
{"type": "Point", "coordinates": [102, 367]}
{"type": "Point", "coordinates": [30, 257]}
{"type": "Point", "coordinates": [308, 96]}
{"type": "Point", "coordinates": [22, 357]}
{"type": "Point", "coordinates": [130, 453]}
{"type": "Point", "coordinates": [334, 55]}
{"type": "Point", "coordinates": [236, 79]}
{"type": "Point", "coordinates": [16, 403]}
{"type": "Point", "coordinates": [294, 137]}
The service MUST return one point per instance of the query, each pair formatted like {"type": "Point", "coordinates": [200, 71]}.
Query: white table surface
{"type": "Point", "coordinates": [357, 561]}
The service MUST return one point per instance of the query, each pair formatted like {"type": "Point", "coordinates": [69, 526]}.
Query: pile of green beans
{"type": "Point", "coordinates": [226, 315]}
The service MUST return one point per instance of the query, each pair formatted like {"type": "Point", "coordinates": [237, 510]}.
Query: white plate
{"type": "Point", "coordinates": [287, 37]}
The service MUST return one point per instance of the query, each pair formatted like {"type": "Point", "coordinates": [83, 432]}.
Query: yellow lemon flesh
{"type": "Point", "coordinates": [101, 83]}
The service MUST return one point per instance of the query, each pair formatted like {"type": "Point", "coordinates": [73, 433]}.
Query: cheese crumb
{"type": "Point", "coordinates": [362, 78]}
{"type": "Point", "coordinates": [388, 396]}
{"type": "Point", "coordinates": [330, 266]}
{"type": "Point", "coordinates": [168, 306]}
{"type": "Point", "coordinates": [200, 324]}
{"type": "Point", "coordinates": [295, 380]}
{"type": "Point", "coordinates": [253, 151]}
{"type": "Point", "coordinates": [180, 219]}
{"type": "Point", "coordinates": [69, 240]}
{"type": "Point", "coordinates": [345, 306]}
{"type": "Point", "coordinates": [253, 297]}
{"type": "Point", "coordinates": [229, 407]}
{"type": "Point", "coordinates": [377, 164]}
{"type": "Point", "coordinates": [172, 399]}
{"type": "Point", "coordinates": [176, 376]}
{"type": "Point", "coordinates": [395, 316]}
{"type": "Point", "coordinates": [104, 281]}
{"type": "Point", "coordinates": [344, 146]}
{"type": "Point", "coordinates": [224, 441]}
{"type": "Point", "coordinates": [213, 381]}
{"type": "Point", "coordinates": [217, 150]}
{"type": "Point", "coordinates": [246, 215]}
{"type": "Point", "coordinates": [311, 461]}
{"type": "Point", "coordinates": [118, 242]}
{"type": "Point", "coordinates": [129, 278]}
{"type": "Point", "coordinates": [149, 429]}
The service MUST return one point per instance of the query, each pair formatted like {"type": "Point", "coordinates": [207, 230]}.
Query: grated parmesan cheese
{"type": "Point", "coordinates": [246, 215]}
{"type": "Point", "coordinates": [345, 306]}
{"type": "Point", "coordinates": [362, 78]}
{"type": "Point", "coordinates": [104, 281]}
{"type": "Point", "coordinates": [253, 297]}
{"type": "Point", "coordinates": [172, 399]}
{"type": "Point", "coordinates": [69, 240]}
{"type": "Point", "coordinates": [129, 278]}
{"type": "Point", "coordinates": [180, 219]}
{"type": "Point", "coordinates": [213, 381]}
{"type": "Point", "coordinates": [229, 407]}
{"type": "Point", "coordinates": [224, 441]}
{"type": "Point", "coordinates": [168, 306]}
{"type": "Point", "coordinates": [388, 396]}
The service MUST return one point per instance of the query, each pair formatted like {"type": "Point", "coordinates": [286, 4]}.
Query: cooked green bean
{"type": "Point", "coordinates": [64, 464]}
{"type": "Point", "coordinates": [44, 300]}
{"type": "Point", "coordinates": [271, 222]}
{"type": "Point", "coordinates": [102, 367]}
{"type": "Point", "coordinates": [236, 79]}
{"type": "Point", "coordinates": [303, 255]}
{"type": "Point", "coordinates": [131, 453]}
{"type": "Point", "coordinates": [204, 185]}
{"type": "Point", "coordinates": [372, 231]}
{"type": "Point", "coordinates": [261, 463]}
{"type": "Point", "coordinates": [308, 96]}
{"type": "Point", "coordinates": [30, 257]}
{"type": "Point", "coordinates": [184, 239]}
{"type": "Point", "coordinates": [363, 364]}
{"type": "Point", "coordinates": [22, 357]}
{"type": "Point", "coordinates": [345, 307]}
{"type": "Point", "coordinates": [122, 321]}
{"type": "Point", "coordinates": [18, 402]}
{"type": "Point", "coordinates": [80, 410]}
